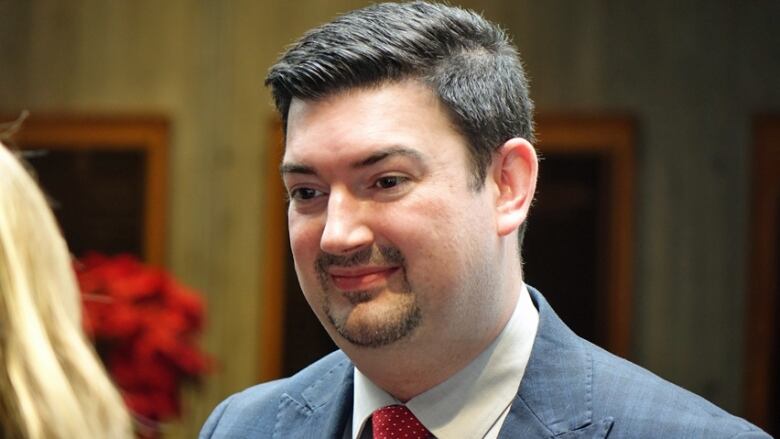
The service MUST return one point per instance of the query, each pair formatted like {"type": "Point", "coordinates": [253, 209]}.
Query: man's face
{"type": "Point", "coordinates": [391, 244]}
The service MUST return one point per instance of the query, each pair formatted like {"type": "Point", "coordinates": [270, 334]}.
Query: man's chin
{"type": "Point", "coordinates": [356, 298]}
{"type": "Point", "coordinates": [369, 332]}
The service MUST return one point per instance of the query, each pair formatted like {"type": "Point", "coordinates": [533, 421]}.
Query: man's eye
{"type": "Point", "coordinates": [304, 193]}
{"type": "Point", "coordinates": [389, 181]}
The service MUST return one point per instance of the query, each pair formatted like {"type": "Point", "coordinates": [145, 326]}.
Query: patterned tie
{"type": "Point", "coordinates": [397, 422]}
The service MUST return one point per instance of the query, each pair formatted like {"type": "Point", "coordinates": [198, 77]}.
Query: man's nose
{"type": "Point", "coordinates": [345, 227]}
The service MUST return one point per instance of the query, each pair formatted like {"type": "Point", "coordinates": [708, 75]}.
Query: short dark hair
{"type": "Point", "coordinates": [469, 63]}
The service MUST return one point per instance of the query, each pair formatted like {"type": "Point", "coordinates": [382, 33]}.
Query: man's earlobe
{"type": "Point", "coordinates": [515, 172]}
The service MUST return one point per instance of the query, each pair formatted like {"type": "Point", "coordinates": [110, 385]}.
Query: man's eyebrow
{"type": "Point", "coordinates": [387, 153]}
{"type": "Point", "coordinates": [299, 168]}
{"type": "Point", "coordinates": [296, 168]}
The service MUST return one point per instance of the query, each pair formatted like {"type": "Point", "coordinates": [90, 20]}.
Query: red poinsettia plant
{"type": "Point", "coordinates": [145, 327]}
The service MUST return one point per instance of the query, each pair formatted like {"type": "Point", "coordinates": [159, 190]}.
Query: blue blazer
{"type": "Point", "coordinates": [571, 389]}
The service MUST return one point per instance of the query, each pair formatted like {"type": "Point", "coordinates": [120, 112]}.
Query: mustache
{"type": "Point", "coordinates": [379, 255]}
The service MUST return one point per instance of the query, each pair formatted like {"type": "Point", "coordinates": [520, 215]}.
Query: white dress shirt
{"type": "Point", "coordinates": [474, 402]}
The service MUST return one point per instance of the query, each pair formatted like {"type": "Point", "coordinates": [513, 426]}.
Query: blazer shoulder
{"type": "Point", "coordinates": [645, 405]}
{"type": "Point", "coordinates": [571, 384]}
{"type": "Point", "coordinates": [253, 411]}
{"type": "Point", "coordinates": [250, 411]}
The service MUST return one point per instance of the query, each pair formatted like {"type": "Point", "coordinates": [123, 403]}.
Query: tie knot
{"type": "Point", "coordinates": [397, 422]}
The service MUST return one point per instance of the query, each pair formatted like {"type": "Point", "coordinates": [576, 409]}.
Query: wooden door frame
{"type": "Point", "coordinates": [146, 133]}
{"type": "Point", "coordinates": [763, 282]}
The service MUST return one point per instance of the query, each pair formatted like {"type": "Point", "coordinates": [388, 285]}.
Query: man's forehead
{"type": "Point", "coordinates": [356, 127]}
{"type": "Point", "coordinates": [300, 106]}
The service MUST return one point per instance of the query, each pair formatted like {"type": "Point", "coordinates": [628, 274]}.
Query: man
{"type": "Point", "coordinates": [410, 174]}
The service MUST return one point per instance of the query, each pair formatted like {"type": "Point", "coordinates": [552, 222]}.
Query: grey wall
{"type": "Point", "coordinates": [691, 72]}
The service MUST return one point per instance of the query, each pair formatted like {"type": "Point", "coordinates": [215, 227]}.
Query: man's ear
{"type": "Point", "coordinates": [514, 170]}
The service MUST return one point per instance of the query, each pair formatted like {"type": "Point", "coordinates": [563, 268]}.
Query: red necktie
{"type": "Point", "coordinates": [397, 422]}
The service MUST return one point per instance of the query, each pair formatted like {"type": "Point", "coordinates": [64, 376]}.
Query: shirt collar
{"type": "Point", "coordinates": [470, 402]}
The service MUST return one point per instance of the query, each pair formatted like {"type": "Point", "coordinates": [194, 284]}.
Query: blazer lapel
{"type": "Point", "coordinates": [321, 410]}
{"type": "Point", "coordinates": [554, 399]}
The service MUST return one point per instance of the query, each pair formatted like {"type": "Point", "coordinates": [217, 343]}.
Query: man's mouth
{"type": "Point", "coordinates": [360, 278]}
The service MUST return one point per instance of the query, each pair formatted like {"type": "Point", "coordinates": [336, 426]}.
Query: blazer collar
{"type": "Point", "coordinates": [320, 410]}
{"type": "Point", "coordinates": [555, 396]}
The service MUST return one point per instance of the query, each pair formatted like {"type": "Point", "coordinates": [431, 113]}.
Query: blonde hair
{"type": "Point", "coordinates": [52, 384]}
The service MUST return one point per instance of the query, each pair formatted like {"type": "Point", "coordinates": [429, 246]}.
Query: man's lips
{"type": "Point", "coordinates": [359, 278]}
